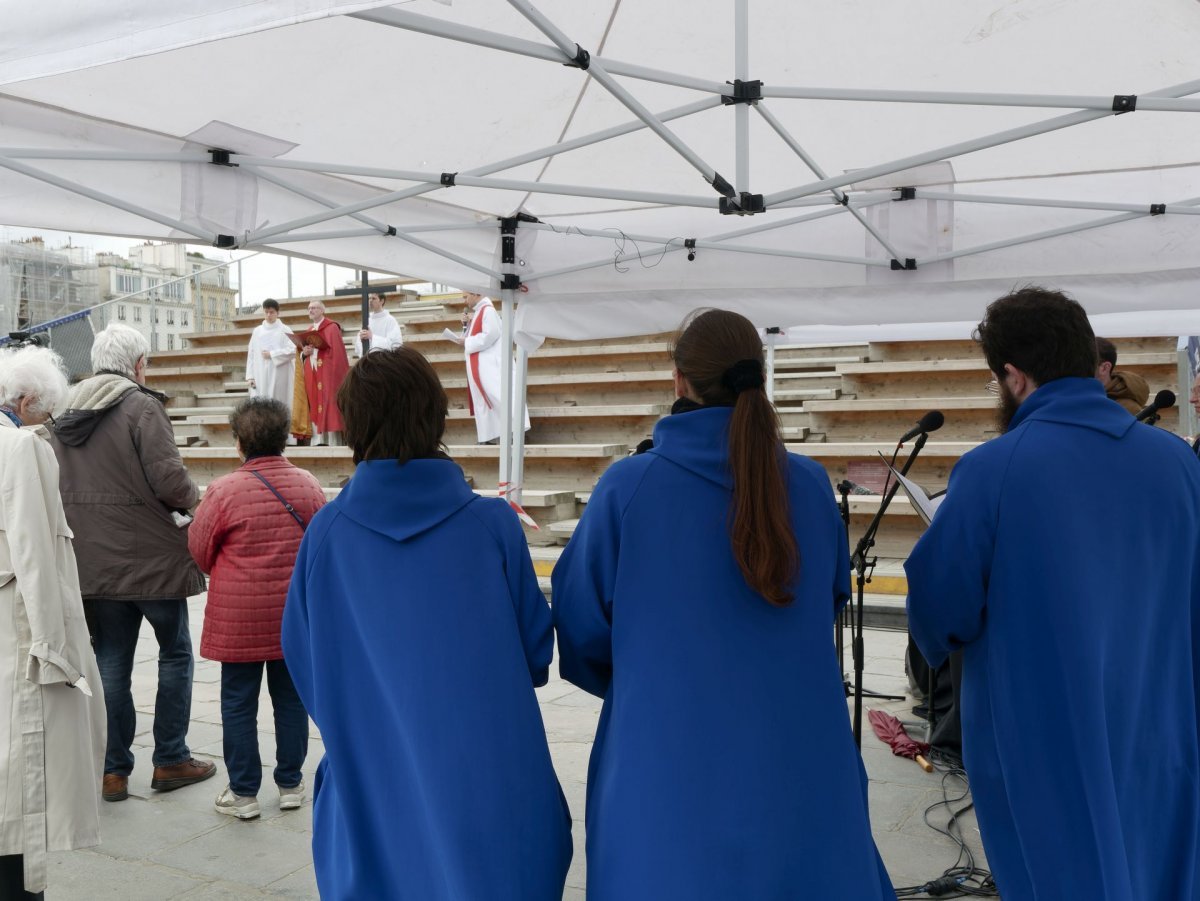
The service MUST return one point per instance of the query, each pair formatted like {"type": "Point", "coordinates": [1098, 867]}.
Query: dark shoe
{"type": "Point", "coordinates": [115, 788]}
{"type": "Point", "coordinates": [169, 778]}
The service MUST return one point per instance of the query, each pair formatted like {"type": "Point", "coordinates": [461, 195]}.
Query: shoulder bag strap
{"type": "Point", "coordinates": [290, 509]}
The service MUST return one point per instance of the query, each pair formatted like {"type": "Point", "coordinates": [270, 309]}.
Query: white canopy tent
{"type": "Point", "coordinates": [843, 170]}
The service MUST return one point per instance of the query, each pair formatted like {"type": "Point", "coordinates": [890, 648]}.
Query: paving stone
{"type": "Point", "coordinates": [256, 851]}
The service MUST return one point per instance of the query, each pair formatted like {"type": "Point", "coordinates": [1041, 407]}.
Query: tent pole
{"type": "Point", "coordinates": [471, 181]}
{"type": "Point", "coordinates": [366, 308]}
{"type": "Point", "coordinates": [519, 424]}
{"type": "Point", "coordinates": [532, 156]}
{"type": "Point", "coordinates": [483, 38]}
{"type": "Point", "coordinates": [597, 71]}
{"type": "Point", "coordinates": [952, 150]}
{"type": "Point", "coordinates": [116, 202]}
{"type": "Point", "coordinates": [839, 195]}
{"type": "Point", "coordinates": [963, 98]}
{"type": "Point", "coordinates": [507, 299]}
{"type": "Point", "coordinates": [770, 374]}
{"type": "Point", "coordinates": [1039, 236]}
{"type": "Point", "coordinates": [1056, 204]}
{"type": "Point", "coordinates": [710, 242]}
{"type": "Point", "coordinates": [741, 111]}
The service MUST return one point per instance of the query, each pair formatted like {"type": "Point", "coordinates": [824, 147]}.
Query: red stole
{"type": "Point", "coordinates": [473, 362]}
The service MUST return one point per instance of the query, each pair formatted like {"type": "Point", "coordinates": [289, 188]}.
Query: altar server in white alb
{"type": "Point", "coordinates": [383, 331]}
{"type": "Point", "coordinates": [484, 353]}
{"type": "Point", "coordinates": [270, 362]}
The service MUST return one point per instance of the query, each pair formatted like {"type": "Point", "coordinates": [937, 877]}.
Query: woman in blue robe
{"type": "Point", "coordinates": [415, 632]}
{"type": "Point", "coordinates": [697, 597]}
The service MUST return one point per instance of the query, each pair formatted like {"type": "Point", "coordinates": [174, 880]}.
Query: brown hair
{"type": "Point", "coordinates": [720, 354]}
{"type": "Point", "coordinates": [261, 425]}
{"type": "Point", "coordinates": [394, 407]}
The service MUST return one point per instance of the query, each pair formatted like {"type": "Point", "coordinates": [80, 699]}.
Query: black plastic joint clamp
{"type": "Point", "coordinates": [220, 157]}
{"type": "Point", "coordinates": [907, 194]}
{"type": "Point", "coordinates": [746, 204]}
{"type": "Point", "coordinates": [1158, 209]}
{"type": "Point", "coordinates": [448, 179]}
{"type": "Point", "coordinates": [1124, 103]}
{"type": "Point", "coordinates": [843, 198]}
{"type": "Point", "coordinates": [391, 232]}
{"type": "Point", "coordinates": [225, 241]}
{"type": "Point", "coordinates": [508, 225]}
{"type": "Point", "coordinates": [773, 330]}
{"type": "Point", "coordinates": [690, 245]}
{"type": "Point", "coordinates": [721, 186]}
{"type": "Point", "coordinates": [581, 60]}
{"type": "Point", "coordinates": [749, 92]}
{"type": "Point", "coordinates": [908, 264]}
{"type": "Point", "coordinates": [510, 282]}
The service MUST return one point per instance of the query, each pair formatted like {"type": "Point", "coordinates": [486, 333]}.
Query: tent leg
{"type": "Point", "coordinates": [770, 373]}
{"type": "Point", "coordinates": [507, 299]}
{"type": "Point", "coordinates": [518, 458]}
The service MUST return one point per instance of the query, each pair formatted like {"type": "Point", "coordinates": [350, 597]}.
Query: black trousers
{"type": "Point", "coordinates": [947, 727]}
{"type": "Point", "coordinates": [12, 880]}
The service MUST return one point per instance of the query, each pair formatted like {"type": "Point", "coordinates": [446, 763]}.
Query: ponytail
{"type": "Point", "coordinates": [760, 529]}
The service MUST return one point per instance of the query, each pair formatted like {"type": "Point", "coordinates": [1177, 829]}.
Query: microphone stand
{"type": "Point", "coordinates": [863, 565]}
{"type": "Point", "coordinates": [844, 488]}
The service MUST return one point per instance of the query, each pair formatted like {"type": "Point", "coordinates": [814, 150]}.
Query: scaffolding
{"type": "Point", "coordinates": [40, 285]}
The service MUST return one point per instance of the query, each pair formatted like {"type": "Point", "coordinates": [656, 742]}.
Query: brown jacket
{"type": "Point", "coordinates": [121, 476]}
{"type": "Point", "coordinates": [1128, 389]}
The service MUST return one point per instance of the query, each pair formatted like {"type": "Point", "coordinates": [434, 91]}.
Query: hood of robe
{"type": "Point", "coordinates": [1074, 401]}
{"type": "Point", "coordinates": [698, 441]}
{"type": "Point", "coordinates": [401, 501]}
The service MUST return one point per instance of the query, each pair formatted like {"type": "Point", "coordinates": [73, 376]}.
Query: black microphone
{"type": "Point", "coordinates": [1162, 400]}
{"type": "Point", "coordinates": [934, 420]}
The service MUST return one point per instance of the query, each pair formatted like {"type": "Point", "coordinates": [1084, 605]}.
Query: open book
{"type": "Point", "coordinates": [309, 338]}
{"type": "Point", "coordinates": [923, 502]}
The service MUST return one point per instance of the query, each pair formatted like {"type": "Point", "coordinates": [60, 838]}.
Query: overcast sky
{"type": "Point", "coordinates": [264, 275]}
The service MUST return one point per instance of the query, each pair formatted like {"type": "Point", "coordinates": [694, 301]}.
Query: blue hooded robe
{"type": "Point", "coordinates": [1064, 560]}
{"type": "Point", "coordinates": [723, 767]}
{"type": "Point", "coordinates": [415, 632]}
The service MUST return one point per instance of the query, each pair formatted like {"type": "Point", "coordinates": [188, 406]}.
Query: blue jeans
{"type": "Point", "coordinates": [240, 685]}
{"type": "Point", "coordinates": [114, 626]}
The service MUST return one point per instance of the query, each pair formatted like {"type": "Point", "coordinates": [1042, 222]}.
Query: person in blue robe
{"type": "Point", "coordinates": [723, 766]}
{"type": "Point", "coordinates": [1064, 562]}
{"type": "Point", "coordinates": [415, 632]}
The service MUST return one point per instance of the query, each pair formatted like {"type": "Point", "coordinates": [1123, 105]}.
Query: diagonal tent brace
{"type": "Point", "coordinates": [596, 69]}
{"type": "Point", "coordinates": [1153, 210]}
{"type": "Point", "coordinates": [841, 196]}
{"type": "Point", "coordinates": [993, 140]}
{"type": "Point", "coordinates": [66, 184]}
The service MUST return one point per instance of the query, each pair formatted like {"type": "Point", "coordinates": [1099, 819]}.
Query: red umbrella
{"type": "Point", "coordinates": [891, 732]}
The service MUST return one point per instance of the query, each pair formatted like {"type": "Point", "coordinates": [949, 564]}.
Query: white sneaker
{"type": "Point", "coordinates": [291, 798]}
{"type": "Point", "coordinates": [244, 808]}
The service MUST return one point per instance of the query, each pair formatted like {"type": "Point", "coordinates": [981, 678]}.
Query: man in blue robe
{"type": "Point", "coordinates": [1079, 704]}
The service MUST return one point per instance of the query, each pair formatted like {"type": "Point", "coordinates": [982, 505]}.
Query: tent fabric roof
{"type": "Point", "coordinates": [369, 102]}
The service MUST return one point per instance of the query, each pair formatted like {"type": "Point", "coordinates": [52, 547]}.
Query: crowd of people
{"type": "Point", "coordinates": [696, 598]}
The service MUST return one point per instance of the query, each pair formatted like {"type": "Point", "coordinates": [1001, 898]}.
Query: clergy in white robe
{"type": "Point", "coordinates": [383, 331]}
{"type": "Point", "coordinates": [270, 361]}
{"type": "Point", "coordinates": [484, 355]}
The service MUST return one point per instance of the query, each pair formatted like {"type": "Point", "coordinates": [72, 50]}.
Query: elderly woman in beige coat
{"type": "Point", "coordinates": [52, 724]}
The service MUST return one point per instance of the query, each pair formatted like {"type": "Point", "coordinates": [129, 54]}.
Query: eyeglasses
{"type": "Point", "coordinates": [992, 387]}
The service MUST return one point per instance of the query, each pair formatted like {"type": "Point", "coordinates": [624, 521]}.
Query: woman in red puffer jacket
{"type": "Point", "coordinates": [246, 535]}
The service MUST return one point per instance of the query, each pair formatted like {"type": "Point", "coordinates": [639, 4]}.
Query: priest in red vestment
{"type": "Point", "coordinates": [325, 365]}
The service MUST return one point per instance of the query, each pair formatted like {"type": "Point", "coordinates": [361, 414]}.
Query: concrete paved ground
{"type": "Point", "coordinates": [174, 846]}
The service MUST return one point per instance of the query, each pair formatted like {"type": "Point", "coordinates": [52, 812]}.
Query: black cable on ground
{"type": "Point", "coordinates": [963, 879]}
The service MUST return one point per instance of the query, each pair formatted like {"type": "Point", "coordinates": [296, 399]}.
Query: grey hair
{"type": "Point", "coordinates": [118, 348]}
{"type": "Point", "coordinates": [36, 373]}
{"type": "Point", "coordinates": [319, 303]}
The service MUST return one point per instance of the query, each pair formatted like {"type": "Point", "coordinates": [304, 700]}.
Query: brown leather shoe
{"type": "Point", "coordinates": [115, 788]}
{"type": "Point", "coordinates": [169, 778]}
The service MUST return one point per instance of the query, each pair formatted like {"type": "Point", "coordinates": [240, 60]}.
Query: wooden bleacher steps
{"type": "Point", "coordinates": [591, 402]}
